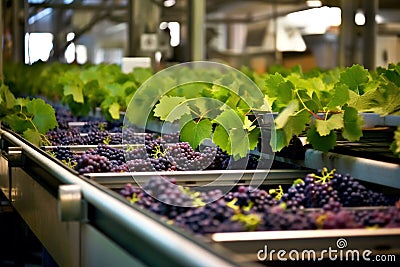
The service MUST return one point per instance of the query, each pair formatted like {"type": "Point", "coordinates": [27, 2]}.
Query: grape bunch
{"type": "Point", "coordinates": [211, 218]}
{"type": "Point", "coordinates": [103, 158]}
{"type": "Point", "coordinates": [185, 158]}
{"type": "Point", "coordinates": [96, 137]}
{"type": "Point", "coordinates": [111, 153]}
{"type": "Point", "coordinates": [88, 163]}
{"type": "Point", "coordinates": [354, 194]}
{"type": "Point", "coordinates": [62, 136]}
{"type": "Point", "coordinates": [172, 200]}
{"type": "Point", "coordinates": [276, 218]}
{"type": "Point", "coordinates": [63, 153]}
{"type": "Point", "coordinates": [221, 160]}
{"type": "Point", "coordinates": [309, 194]}
{"type": "Point", "coordinates": [248, 210]}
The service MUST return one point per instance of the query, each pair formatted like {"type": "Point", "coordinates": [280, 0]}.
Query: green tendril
{"type": "Point", "coordinates": [278, 192]}
{"type": "Point", "coordinates": [69, 163]}
{"type": "Point", "coordinates": [107, 140]}
{"type": "Point", "coordinates": [232, 204]}
{"type": "Point", "coordinates": [135, 198]}
{"type": "Point", "coordinates": [325, 175]}
{"type": "Point", "coordinates": [250, 221]}
{"type": "Point", "coordinates": [158, 152]}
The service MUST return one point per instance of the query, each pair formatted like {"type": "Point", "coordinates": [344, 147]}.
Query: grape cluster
{"type": "Point", "coordinates": [339, 190]}
{"type": "Point", "coordinates": [354, 194]}
{"type": "Point", "coordinates": [88, 163]}
{"type": "Point", "coordinates": [63, 153]}
{"type": "Point", "coordinates": [276, 218]}
{"type": "Point", "coordinates": [211, 218]}
{"type": "Point", "coordinates": [103, 158]}
{"type": "Point", "coordinates": [221, 160]}
{"type": "Point", "coordinates": [61, 136]}
{"type": "Point", "coordinates": [185, 158]}
{"type": "Point", "coordinates": [244, 209]}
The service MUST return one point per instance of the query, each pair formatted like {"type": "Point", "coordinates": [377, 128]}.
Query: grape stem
{"type": "Point", "coordinates": [306, 108]}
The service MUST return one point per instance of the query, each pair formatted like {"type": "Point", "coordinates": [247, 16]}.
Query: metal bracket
{"type": "Point", "coordinates": [15, 158]}
{"type": "Point", "coordinates": [71, 206]}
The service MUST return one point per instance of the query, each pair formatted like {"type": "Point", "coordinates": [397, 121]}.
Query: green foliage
{"type": "Point", "coordinates": [31, 118]}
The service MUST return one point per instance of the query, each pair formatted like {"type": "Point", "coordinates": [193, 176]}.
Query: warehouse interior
{"type": "Point", "coordinates": [256, 35]}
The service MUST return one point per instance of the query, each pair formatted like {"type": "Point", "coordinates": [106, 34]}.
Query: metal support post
{"type": "Point", "coordinates": [369, 33]}
{"type": "Point", "coordinates": [196, 27]}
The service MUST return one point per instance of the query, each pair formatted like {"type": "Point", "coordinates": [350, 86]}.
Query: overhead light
{"type": "Point", "coordinates": [359, 18]}
{"type": "Point", "coordinates": [169, 3]}
{"type": "Point", "coordinates": [313, 3]}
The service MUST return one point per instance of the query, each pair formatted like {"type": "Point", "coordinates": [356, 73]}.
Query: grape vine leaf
{"type": "Point", "coordinates": [276, 86]}
{"type": "Point", "coordinates": [322, 143]}
{"type": "Point", "coordinates": [32, 136]}
{"type": "Point", "coordinates": [324, 127]}
{"type": "Point", "coordinates": [352, 128]}
{"type": "Point", "coordinates": [395, 145]}
{"type": "Point", "coordinates": [253, 137]}
{"type": "Point", "coordinates": [283, 116]}
{"type": "Point", "coordinates": [74, 87]}
{"type": "Point", "coordinates": [296, 123]}
{"type": "Point", "coordinates": [248, 124]}
{"type": "Point", "coordinates": [114, 110]}
{"type": "Point", "coordinates": [340, 96]}
{"type": "Point", "coordinates": [17, 123]}
{"type": "Point", "coordinates": [239, 143]}
{"type": "Point", "coordinates": [195, 132]}
{"type": "Point", "coordinates": [221, 138]}
{"type": "Point", "coordinates": [279, 140]}
{"type": "Point", "coordinates": [355, 77]}
{"type": "Point", "coordinates": [44, 116]}
{"type": "Point", "coordinates": [7, 98]}
{"type": "Point", "coordinates": [230, 119]}
{"type": "Point", "coordinates": [166, 105]}
{"type": "Point", "coordinates": [141, 74]}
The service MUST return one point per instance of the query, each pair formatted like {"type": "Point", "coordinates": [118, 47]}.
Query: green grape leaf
{"type": "Point", "coordinates": [334, 122]}
{"type": "Point", "coordinates": [340, 96]}
{"type": "Point", "coordinates": [355, 77]}
{"type": "Point", "coordinates": [279, 140]}
{"type": "Point", "coordinates": [7, 99]}
{"type": "Point", "coordinates": [352, 128]}
{"type": "Point", "coordinates": [322, 143]}
{"type": "Point", "coordinates": [195, 132]}
{"type": "Point", "coordinates": [283, 116]}
{"type": "Point", "coordinates": [141, 74]}
{"type": "Point", "coordinates": [248, 124]}
{"type": "Point", "coordinates": [221, 138]}
{"type": "Point", "coordinates": [76, 90]}
{"type": "Point", "coordinates": [395, 146]}
{"type": "Point", "coordinates": [254, 137]}
{"type": "Point", "coordinates": [166, 105]}
{"type": "Point", "coordinates": [276, 86]}
{"type": "Point", "coordinates": [239, 143]}
{"type": "Point", "coordinates": [189, 90]}
{"type": "Point", "coordinates": [115, 89]}
{"type": "Point", "coordinates": [216, 92]}
{"type": "Point", "coordinates": [295, 124]}
{"type": "Point", "coordinates": [17, 123]}
{"type": "Point", "coordinates": [32, 136]}
{"type": "Point", "coordinates": [44, 116]}
{"type": "Point", "coordinates": [114, 110]}
{"type": "Point", "coordinates": [21, 101]}
{"type": "Point", "coordinates": [230, 119]}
